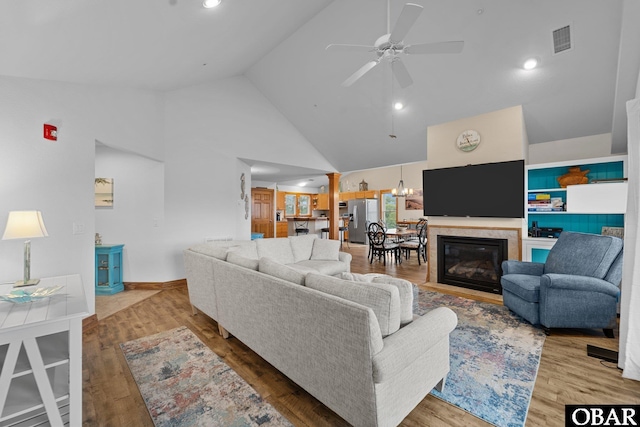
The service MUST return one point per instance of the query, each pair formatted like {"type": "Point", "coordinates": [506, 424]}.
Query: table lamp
{"type": "Point", "coordinates": [25, 225]}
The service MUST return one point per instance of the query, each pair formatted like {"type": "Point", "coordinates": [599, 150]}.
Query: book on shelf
{"type": "Point", "coordinates": [546, 209]}
{"type": "Point", "coordinates": [539, 196]}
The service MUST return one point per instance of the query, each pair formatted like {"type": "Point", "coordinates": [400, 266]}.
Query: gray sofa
{"type": "Point", "coordinates": [354, 346]}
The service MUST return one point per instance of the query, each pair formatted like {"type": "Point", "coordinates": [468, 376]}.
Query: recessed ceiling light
{"type": "Point", "coordinates": [530, 63]}
{"type": "Point", "coordinates": [398, 105]}
{"type": "Point", "coordinates": [211, 3]}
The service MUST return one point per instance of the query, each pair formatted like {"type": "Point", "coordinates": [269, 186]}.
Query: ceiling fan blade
{"type": "Point", "coordinates": [442, 47]}
{"type": "Point", "coordinates": [361, 72]}
{"type": "Point", "coordinates": [401, 73]}
{"type": "Point", "coordinates": [407, 18]}
{"type": "Point", "coordinates": [350, 48]}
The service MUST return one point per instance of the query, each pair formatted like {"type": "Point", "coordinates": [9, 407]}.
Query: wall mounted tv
{"type": "Point", "coordinates": [486, 190]}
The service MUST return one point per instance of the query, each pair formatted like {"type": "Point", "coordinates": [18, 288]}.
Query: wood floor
{"type": "Point", "coordinates": [111, 398]}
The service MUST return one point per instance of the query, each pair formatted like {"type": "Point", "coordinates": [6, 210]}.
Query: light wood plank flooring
{"type": "Point", "coordinates": [111, 398]}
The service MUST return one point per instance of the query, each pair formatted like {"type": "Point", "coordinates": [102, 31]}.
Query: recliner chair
{"type": "Point", "coordinates": [577, 287]}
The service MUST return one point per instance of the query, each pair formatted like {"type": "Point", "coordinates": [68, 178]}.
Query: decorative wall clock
{"type": "Point", "coordinates": [468, 140]}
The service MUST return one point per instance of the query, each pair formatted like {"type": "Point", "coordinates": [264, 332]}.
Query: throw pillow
{"type": "Point", "coordinates": [405, 289]}
{"type": "Point", "coordinates": [278, 249]}
{"type": "Point", "coordinates": [272, 268]}
{"type": "Point", "coordinates": [325, 250]}
{"type": "Point", "coordinates": [383, 299]}
{"type": "Point", "coordinates": [302, 246]}
{"type": "Point", "coordinates": [245, 249]}
{"type": "Point", "coordinates": [242, 261]}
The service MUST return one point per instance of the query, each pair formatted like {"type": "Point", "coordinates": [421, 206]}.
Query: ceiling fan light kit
{"type": "Point", "coordinates": [390, 46]}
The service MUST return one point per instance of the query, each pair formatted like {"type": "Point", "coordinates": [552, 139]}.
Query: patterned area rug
{"type": "Point", "coordinates": [494, 359]}
{"type": "Point", "coordinates": [184, 383]}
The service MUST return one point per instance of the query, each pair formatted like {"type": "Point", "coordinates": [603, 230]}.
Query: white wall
{"type": "Point", "coordinates": [57, 177]}
{"type": "Point", "coordinates": [501, 139]}
{"type": "Point", "coordinates": [588, 147]}
{"type": "Point", "coordinates": [137, 216]}
{"type": "Point", "coordinates": [208, 127]}
{"type": "Point", "coordinates": [387, 178]}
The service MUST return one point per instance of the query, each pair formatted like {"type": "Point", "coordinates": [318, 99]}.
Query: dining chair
{"type": "Point", "coordinates": [379, 245]}
{"type": "Point", "coordinates": [419, 245]}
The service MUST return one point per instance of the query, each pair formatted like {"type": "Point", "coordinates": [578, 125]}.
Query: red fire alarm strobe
{"type": "Point", "coordinates": [50, 132]}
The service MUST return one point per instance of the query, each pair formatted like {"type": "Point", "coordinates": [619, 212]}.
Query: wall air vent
{"type": "Point", "coordinates": [562, 39]}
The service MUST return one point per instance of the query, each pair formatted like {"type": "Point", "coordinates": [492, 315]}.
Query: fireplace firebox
{"type": "Point", "coordinates": [471, 262]}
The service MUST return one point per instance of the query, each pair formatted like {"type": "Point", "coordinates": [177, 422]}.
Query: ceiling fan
{"type": "Point", "coordinates": [390, 46]}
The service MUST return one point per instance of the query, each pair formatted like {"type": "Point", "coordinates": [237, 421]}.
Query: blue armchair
{"type": "Point", "coordinates": [577, 287]}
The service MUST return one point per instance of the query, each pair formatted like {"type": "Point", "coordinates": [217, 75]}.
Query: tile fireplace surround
{"type": "Point", "coordinates": [513, 236]}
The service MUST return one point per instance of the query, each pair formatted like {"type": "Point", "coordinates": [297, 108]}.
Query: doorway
{"type": "Point", "coordinates": [262, 211]}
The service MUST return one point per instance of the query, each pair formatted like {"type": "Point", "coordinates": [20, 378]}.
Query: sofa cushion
{"type": "Point", "coordinates": [237, 259]}
{"type": "Point", "coordinates": [383, 299]}
{"type": "Point", "coordinates": [405, 290]}
{"type": "Point", "coordinates": [523, 286]}
{"type": "Point", "coordinates": [325, 250]}
{"type": "Point", "coordinates": [272, 268]}
{"type": "Point", "coordinates": [278, 249]}
{"type": "Point", "coordinates": [301, 246]}
{"type": "Point", "coordinates": [330, 268]}
{"type": "Point", "coordinates": [357, 277]}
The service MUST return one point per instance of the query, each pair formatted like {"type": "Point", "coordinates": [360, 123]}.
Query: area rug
{"type": "Point", "coordinates": [494, 359]}
{"type": "Point", "coordinates": [184, 383]}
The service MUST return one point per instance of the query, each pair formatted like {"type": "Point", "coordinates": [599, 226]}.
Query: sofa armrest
{"type": "Point", "coordinates": [345, 257]}
{"type": "Point", "coordinates": [406, 345]}
{"type": "Point", "coordinates": [571, 282]}
{"type": "Point", "coordinates": [522, 267]}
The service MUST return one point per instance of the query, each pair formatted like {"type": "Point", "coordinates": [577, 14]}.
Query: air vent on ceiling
{"type": "Point", "coordinates": [562, 39]}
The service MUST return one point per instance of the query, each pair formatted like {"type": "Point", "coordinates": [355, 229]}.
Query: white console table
{"type": "Point", "coordinates": [41, 356]}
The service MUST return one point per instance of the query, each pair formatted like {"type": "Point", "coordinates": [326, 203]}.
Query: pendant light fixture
{"type": "Point", "coordinates": [401, 191]}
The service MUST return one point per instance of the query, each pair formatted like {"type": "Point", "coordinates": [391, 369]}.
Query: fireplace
{"type": "Point", "coordinates": [471, 262]}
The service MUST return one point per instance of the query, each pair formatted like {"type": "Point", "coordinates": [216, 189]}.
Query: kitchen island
{"type": "Point", "coordinates": [315, 224]}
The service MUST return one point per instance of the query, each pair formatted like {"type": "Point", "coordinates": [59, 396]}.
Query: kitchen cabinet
{"type": "Point", "coordinates": [321, 202]}
{"type": "Point", "coordinates": [280, 200]}
{"type": "Point", "coordinates": [282, 229]}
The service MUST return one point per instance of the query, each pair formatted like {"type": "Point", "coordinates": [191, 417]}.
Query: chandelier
{"type": "Point", "coordinates": [401, 191]}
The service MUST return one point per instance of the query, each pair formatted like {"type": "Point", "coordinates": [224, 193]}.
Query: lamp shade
{"type": "Point", "coordinates": [24, 225]}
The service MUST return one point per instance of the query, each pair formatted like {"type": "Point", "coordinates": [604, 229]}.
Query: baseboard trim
{"type": "Point", "coordinates": [156, 286]}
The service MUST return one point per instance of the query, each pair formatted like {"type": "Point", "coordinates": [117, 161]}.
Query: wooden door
{"type": "Point", "coordinates": [262, 211]}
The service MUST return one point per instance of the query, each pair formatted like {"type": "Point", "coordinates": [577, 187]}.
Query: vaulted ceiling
{"type": "Point", "coordinates": [280, 46]}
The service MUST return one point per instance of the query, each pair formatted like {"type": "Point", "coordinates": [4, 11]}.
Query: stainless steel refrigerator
{"type": "Point", "coordinates": [362, 212]}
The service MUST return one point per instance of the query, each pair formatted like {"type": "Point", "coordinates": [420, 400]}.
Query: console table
{"type": "Point", "coordinates": [41, 356]}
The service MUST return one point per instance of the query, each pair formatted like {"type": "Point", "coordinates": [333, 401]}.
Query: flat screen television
{"type": "Point", "coordinates": [493, 190]}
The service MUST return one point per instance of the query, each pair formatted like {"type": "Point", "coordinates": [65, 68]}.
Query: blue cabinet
{"type": "Point", "coordinates": [109, 269]}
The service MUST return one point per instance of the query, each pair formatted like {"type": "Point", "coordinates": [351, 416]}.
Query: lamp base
{"type": "Point", "coordinates": [21, 283]}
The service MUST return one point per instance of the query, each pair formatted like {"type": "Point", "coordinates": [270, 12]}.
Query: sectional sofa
{"type": "Point", "coordinates": [354, 346]}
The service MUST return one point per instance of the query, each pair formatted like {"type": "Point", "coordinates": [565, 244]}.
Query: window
{"type": "Point", "coordinates": [297, 204]}
{"type": "Point", "coordinates": [290, 205]}
{"type": "Point", "coordinates": [304, 205]}
{"type": "Point", "coordinates": [389, 208]}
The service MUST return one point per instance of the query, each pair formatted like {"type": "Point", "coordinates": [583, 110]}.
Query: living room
{"type": "Point", "coordinates": [191, 141]}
